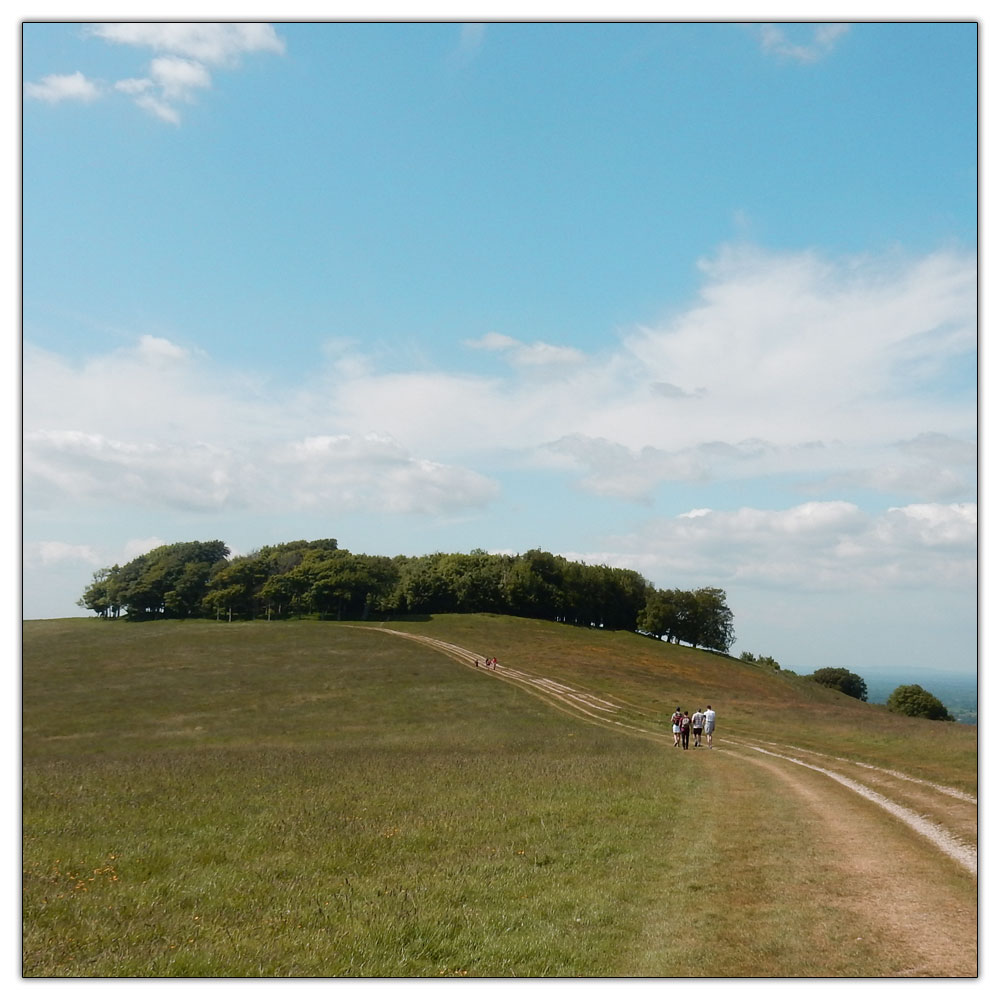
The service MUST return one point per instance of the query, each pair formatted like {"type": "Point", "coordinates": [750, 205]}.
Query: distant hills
{"type": "Point", "coordinates": [958, 692]}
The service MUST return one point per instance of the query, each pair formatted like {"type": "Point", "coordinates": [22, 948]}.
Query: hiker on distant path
{"type": "Point", "coordinates": [675, 723]}
{"type": "Point", "coordinates": [697, 724]}
{"type": "Point", "coordinates": [709, 725]}
{"type": "Point", "coordinates": [685, 730]}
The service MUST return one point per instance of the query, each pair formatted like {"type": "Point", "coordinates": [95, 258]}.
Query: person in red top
{"type": "Point", "coordinates": [675, 724]}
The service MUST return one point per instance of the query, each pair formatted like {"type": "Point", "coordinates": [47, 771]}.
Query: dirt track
{"type": "Point", "coordinates": [909, 844]}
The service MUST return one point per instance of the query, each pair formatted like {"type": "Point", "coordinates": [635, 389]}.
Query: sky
{"type": "Point", "coordinates": [696, 299]}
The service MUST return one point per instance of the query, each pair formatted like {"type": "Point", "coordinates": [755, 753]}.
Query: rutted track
{"type": "Point", "coordinates": [939, 830]}
{"type": "Point", "coordinates": [582, 704]}
{"type": "Point", "coordinates": [942, 838]}
{"type": "Point", "coordinates": [943, 789]}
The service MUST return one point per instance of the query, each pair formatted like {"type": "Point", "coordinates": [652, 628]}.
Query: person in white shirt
{"type": "Point", "coordinates": [697, 724]}
{"type": "Point", "coordinates": [709, 724]}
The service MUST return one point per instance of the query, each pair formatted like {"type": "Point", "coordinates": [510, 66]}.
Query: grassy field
{"type": "Point", "coordinates": [313, 799]}
{"type": "Point", "coordinates": [751, 700]}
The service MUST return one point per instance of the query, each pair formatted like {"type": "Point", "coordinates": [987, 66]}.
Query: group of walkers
{"type": "Point", "coordinates": [700, 723]}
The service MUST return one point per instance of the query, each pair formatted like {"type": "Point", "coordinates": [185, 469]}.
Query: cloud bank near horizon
{"type": "Point", "coordinates": [832, 374]}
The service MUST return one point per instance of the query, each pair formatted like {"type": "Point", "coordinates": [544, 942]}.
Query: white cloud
{"type": "Point", "coordinates": [92, 468]}
{"type": "Point", "coordinates": [177, 78]}
{"type": "Point", "coordinates": [930, 467]}
{"type": "Point", "coordinates": [921, 480]}
{"type": "Point", "coordinates": [527, 355]}
{"type": "Point", "coordinates": [817, 546]}
{"type": "Point", "coordinates": [336, 473]}
{"type": "Point", "coordinates": [775, 41]}
{"type": "Point", "coordinates": [373, 472]}
{"type": "Point", "coordinates": [613, 469]}
{"type": "Point", "coordinates": [180, 70]}
{"type": "Point", "coordinates": [940, 448]}
{"type": "Point", "coordinates": [793, 366]}
{"type": "Point", "coordinates": [49, 553]}
{"type": "Point", "coordinates": [158, 109]}
{"type": "Point", "coordinates": [133, 85]}
{"type": "Point", "coordinates": [828, 361]}
{"type": "Point", "coordinates": [160, 349]}
{"type": "Point", "coordinates": [799, 347]}
{"type": "Point", "coordinates": [68, 87]}
{"type": "Point", "coordinates": [215, 44]}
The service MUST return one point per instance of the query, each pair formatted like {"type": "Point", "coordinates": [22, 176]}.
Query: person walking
{"type": "Point", "coordinates": [697, 724]}
{"type": "Point", "coordinates": [685, 730]}
{"type": "Point", "coordinates": [709, 725]}
{"type": "Point", "coordinates": [675, 724]}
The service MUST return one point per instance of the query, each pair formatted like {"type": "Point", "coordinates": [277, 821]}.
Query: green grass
{"type": "Point", "coordinates": [750, 700]}
{"type": "Point", "coordinates": [307, 800]}
{"type": "Point", "coordinates": [310, 799]}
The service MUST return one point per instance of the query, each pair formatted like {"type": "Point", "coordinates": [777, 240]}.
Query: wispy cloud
{"type": "Point", "coordinates": [181, 69]}
{"type": "Point", "coordinates": [527, 355]}
{"type": "Point", "coordinates": [470, 43]}
{"type": "Point", "coordinates": [774, 40]}
{"type": "Point", "coordinates": [50, 553]}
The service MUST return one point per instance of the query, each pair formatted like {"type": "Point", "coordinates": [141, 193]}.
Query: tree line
{"type": "Point", "coordinates": [317, 578]}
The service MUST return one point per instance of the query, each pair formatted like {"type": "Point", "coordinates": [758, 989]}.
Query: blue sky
{"type": "Point", "coordinates": [696, 299]}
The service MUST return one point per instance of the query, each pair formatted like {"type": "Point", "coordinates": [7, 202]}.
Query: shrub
{"type": "Point", "coordinates": [842, 680]}
{"type": "Point", "coordinates": [912, 699]}
{"type": "Point", "coordinates": [762, 660]}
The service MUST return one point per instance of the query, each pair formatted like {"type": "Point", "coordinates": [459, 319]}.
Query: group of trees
{"type": "Point", "coordinates": [169, 581]}
{"type": "Point", "coordinates": [700, 617]}
{"type": "Point", "coordinates": [842, 679]}
{"type": "Point", "coordinates": [199, 579]}
{"type": "Point", "coordinates": [761, 660]}
{"type": "Point", "coordinates": [907, 699]}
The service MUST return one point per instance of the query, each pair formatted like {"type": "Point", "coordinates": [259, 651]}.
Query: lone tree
{"type": "Point", "coordinates": [842, 680]}
{"type": "Point", "coordinates": [912, 699]}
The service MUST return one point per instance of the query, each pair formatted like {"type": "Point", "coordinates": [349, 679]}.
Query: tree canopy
{"type": "Point", "coordinates": [169, 581]}
{"type": "Point", "coordinates": [198, 579]}
{"type": "Point", "coordinates": [913, 700]}
{"type": "Point", "coordinates": [842, 680]}
{"type": "Point", "coordinates": [700, 617]}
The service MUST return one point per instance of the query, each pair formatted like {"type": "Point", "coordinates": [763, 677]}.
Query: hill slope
{"type": "Point", "coordinates": [320, 799]}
